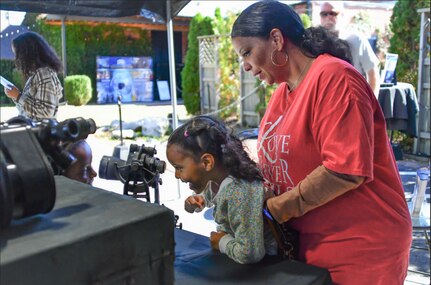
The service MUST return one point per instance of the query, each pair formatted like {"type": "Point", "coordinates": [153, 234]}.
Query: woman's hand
{"type": "Point", "coordinates": [215, 239]}
{"type": "Point", "coordinates": [194, 203]}
{"type": "Point", "coordinates": [12, 93]}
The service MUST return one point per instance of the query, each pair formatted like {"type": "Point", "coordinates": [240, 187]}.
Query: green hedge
{"type": "Point", "coordinates": [199, 26]}
{"type": "Point", "coordinates": [405, 26]}
{"type": "Point", "coordinates": [77, 89]}
{"type": "Point", "coordinates": [8, 71]}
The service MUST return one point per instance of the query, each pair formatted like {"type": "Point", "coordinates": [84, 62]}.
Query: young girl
{"type": "Point", "coordinates": [81, 170]}
{"type": "Point", "coordinates": [218, 169]}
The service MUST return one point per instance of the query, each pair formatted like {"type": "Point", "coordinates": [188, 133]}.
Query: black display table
{"type": "Point", "coordinates": [92, 236]}
{"type": "Point", "coordinates": [196, 263]}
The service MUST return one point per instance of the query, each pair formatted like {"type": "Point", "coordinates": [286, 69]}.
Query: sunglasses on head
{"type": "Point", "coordinates": [326, 14]}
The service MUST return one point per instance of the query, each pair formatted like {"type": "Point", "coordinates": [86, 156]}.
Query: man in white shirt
{"type": "Point", "coordinates": [364, 58]}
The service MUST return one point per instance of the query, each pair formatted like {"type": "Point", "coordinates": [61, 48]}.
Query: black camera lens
{"type": "Point", "coordinates": [155, 164]}
{"type": "Point", "coordinates": [28, 185]}
{"type": "Point", "coordinates": [74, 129]}
{"type": "Point", "coordinates": [109, 167]}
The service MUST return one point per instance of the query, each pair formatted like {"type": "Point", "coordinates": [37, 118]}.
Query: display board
{"type": "Point", "coordinates": [128, 77]}
{"type": "Point", "coordinates": [388, 73]}
{"type": "Point", "coordinates": [164, 92]}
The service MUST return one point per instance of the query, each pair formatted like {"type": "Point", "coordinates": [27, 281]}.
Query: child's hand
{"type": "Point", "coordinates": [215, 239]}
{"type": "Point", "coordinates": [194, 203]}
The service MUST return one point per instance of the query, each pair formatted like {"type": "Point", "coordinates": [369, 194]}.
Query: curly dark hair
{"type": "Point", "coordinates": [32, 51]}
{"type": "Point", "coordinates": [205, 134]}
{"type": "Point", "coordinates": [260, 18]}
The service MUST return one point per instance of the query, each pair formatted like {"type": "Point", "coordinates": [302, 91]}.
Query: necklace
{"type": "Point", "coordinates": [300, 75]}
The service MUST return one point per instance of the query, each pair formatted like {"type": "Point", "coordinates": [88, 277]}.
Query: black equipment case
{"type": "Point", "coordinates": [92, 236]}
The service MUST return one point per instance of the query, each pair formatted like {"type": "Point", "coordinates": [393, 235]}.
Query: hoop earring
{"type": "Point", "coordinates": [286, 57]}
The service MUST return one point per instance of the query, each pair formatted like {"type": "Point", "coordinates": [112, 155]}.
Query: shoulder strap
{"type": "Point", "coordinates": [287, 239]}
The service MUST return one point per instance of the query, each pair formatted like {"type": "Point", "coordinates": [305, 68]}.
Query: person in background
{"type": "Point", "coordinates": [80, 170]}
{"type": "Point", "coordinates": [39, 65]}
{"type": "Point", "coordinates": [323, 149]}
{"type": "Point", "coordinates": [214, 163]}
{"type": "Point", "coordinates": [363, 57]}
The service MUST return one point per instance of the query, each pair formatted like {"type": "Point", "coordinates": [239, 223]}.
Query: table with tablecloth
{"type": "Point", "coordinates": [196, 263]}
{"type": "Point", "coordinates": [400, 107]}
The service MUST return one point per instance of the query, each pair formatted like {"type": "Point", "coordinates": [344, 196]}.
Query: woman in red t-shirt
{"type": "Point", "coordinates": [324, 151]}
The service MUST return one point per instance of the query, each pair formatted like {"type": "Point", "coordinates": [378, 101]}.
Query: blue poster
{"type": "Point", "coordinates": [128, 77]}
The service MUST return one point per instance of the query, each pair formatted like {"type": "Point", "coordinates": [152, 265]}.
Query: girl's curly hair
{"type": "Point", "coordinates": [204, 134]}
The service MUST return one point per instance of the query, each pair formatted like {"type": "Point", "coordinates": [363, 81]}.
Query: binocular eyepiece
{"type": "Point", "coordinates": [68, 130]}
{"type": "Point", "coordinates": [29, 153]}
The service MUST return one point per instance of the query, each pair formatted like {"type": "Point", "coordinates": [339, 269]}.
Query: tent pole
{"type": "Point", "coordinates": [63, 45]}
{"type": "Point", "coordinates": [172, 76]}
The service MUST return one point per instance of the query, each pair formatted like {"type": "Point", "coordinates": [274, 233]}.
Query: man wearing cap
{"type": "Point", "coordinates": [364, 58]}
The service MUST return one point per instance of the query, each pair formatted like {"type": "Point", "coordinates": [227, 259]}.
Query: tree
{"type": "Point", "coordinates": [405, 26]}
{"type": "Point", "coordinates": [199, 26]}
{"type": "Point", "coordinates": [229, 67]}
